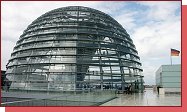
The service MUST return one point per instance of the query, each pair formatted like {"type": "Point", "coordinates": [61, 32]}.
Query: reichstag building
{"type": "Point", "coordinates": [74, 48]}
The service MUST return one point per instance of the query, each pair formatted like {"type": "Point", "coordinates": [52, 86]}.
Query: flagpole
{"type": "Point", "coordinates": [170, 57]}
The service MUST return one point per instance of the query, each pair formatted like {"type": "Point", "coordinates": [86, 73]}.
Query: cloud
{"type": "Point", "coordinates": [160, 32]}
{"type": "Point", "coordinates": [162, 36]}
{"type": "Point", "coordinates": [127, 19]}
{"type": "Point", "coordinates": [161, 10]}
{"type": "Point", "coordinates": [111, 7]}
{"type": "Point", "coordinates": [6, 52]}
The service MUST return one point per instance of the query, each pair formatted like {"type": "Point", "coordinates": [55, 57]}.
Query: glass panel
{"type": "Point", "coordinates": [94, 69]}
{"type": "Point", "coordinates": [46, 37]}
{"type": "Point", "coordinates": [29, 39]}
{"type": "Point", "coordinates": [67, 51]}
{"type": "Point", "coordinates": [61, 81]}
{"type": "Point", "coordinates": [37, 76]}
{"type": "Point", "coordinates": [106, 69]}
{"type": "Point", "coordinates": [63, 59]}
{"type": "Point", "coordinates": [20, 77]}
{"type": "Point", "coordinates": [10, 70]}
{"type": "Point", "coordinates": [116, 69]}
{"type": "Point", "coordinates": [21, 68]}
{"type": "Point", "coordinates": [38, 68]}
{"type": "Point", "coordinates": [62, 68]}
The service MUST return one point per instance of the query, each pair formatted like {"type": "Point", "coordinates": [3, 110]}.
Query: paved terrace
{"type": "Point", "coordinates": [148, 98]}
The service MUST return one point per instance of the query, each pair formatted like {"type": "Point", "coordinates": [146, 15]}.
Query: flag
{"type": "Point", "coordinates": [175, 52]}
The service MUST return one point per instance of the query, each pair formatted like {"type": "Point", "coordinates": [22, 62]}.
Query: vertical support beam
{"type": "Point", "coordinates": [121, 69]}
{"type": "Point", "coordinates": [48, 82]}
{"type": "Point", "coordinates": [130, 75]}
{"type": "Point", "coordinates": [27, 76]}
{"type": "Point", "coordinates": [101, 70]}
{"type": "Point", "coordinates": [122, 76]}
{"type": "Point", "coordinates": [100, 65]}
{"type": "Point", "coordinates": [111, 82]}
{"type": "Point", "coordinates": [141, 82]}
{"type": "Point", "coordinates": [76, 53]}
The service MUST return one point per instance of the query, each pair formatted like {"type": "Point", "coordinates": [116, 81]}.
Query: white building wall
{"type": "Point", "coordinates": [169, 77]}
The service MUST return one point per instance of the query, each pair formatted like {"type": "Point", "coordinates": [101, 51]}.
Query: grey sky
{"type": "Point", "coordinates": [155, 27]}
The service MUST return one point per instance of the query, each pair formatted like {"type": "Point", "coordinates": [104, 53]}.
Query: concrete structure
{"type": "Point", "coordinates": [3, 77]}
{"type": "Point", "coordinates": [169, 78]}
{"type": "Point", "coordinates": [74, 48]}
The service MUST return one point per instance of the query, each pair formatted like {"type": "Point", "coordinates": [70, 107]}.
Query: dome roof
{"type": "Point", "coordinates": [67, 47]}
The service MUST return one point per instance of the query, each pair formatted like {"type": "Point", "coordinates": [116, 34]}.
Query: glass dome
{"type": "Point", "coordinates": [72, 48]}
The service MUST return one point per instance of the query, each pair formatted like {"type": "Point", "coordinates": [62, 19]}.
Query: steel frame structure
{"type": "Point", "coordinates": [74, 48]}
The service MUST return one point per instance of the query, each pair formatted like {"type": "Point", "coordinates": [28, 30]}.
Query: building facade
{"type": "Point", "coordinates": [169, 78]}
{"type": "Point", "coordinates": [72, 48]}
{"type": "Point", "coordinates": [3, 77]}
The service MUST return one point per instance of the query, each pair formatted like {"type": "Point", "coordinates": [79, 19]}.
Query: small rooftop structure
{"type": "Point", "coordinates": [169, 78]}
